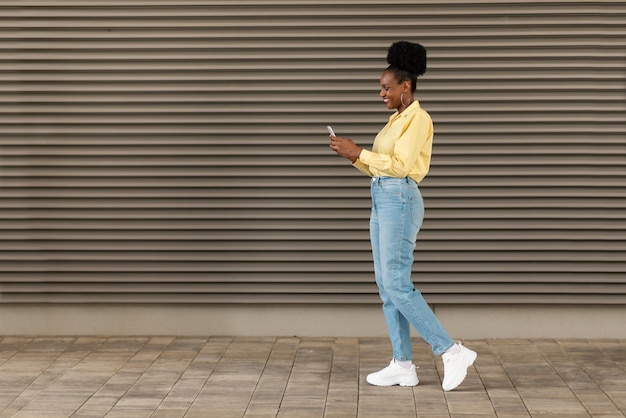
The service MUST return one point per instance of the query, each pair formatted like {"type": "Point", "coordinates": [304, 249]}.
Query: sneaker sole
{"type": "Point", "coordinates": [404, 384]}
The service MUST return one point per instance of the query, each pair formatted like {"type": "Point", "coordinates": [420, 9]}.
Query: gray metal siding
{"type": "Point", "coordinates": [175, 152]}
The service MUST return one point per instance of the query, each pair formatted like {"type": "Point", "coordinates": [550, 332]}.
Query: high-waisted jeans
{"type": "Point", "coordinates": [397, 214]}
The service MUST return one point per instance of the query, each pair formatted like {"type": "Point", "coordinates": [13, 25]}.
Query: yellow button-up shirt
{"type": "Point", "coordinates": [402, 148]}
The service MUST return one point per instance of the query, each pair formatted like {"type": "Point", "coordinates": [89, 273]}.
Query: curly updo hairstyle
{"type": "Point", "coordinates": [407, 61]}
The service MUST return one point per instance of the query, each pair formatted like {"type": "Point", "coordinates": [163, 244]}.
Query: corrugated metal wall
{"type": "Point", "coordinates": [175, 151]}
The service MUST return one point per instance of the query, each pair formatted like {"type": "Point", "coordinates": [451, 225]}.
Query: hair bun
{"type": "Point", "coordinates": [407, 56]}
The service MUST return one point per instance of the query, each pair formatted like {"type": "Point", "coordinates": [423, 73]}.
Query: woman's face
{"type": "Point", "coordinates": [391, 91]}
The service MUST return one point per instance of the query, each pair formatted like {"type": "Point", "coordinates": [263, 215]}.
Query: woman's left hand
{"type": "Point", "coordinates": [345, 147]}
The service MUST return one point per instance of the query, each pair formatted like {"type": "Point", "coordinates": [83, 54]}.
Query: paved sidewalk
{"type": "Point", "coordinates": [225, 377]}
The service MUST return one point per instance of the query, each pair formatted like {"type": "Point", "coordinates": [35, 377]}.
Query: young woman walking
{"type": "Point", "coordinates": [399, 160]}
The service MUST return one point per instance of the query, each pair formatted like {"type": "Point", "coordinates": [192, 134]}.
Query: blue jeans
{"type": "Point", "coordinates": [397, 214]}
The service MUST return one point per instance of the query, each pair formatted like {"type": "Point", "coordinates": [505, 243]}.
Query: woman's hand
{"type": "Point", "coordinates": [345, 147]}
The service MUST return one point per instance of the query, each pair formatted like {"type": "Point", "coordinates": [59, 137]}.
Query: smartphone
{"type": "Point", "coordinates": [330, 130]}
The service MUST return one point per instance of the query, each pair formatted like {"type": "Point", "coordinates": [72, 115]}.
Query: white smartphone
{"type": "Point", "coordinates": [330, 130]}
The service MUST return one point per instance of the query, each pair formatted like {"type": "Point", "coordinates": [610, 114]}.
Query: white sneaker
{"type": "Point", "coordinates": [455, 367]}
{"type": "Point", "coordinates": [394, 374]}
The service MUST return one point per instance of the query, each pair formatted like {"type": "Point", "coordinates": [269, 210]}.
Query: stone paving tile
{"type": "Point", "coordinates": [223, 377]}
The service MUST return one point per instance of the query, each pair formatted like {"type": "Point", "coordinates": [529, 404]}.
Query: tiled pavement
{"type": "Point", "coordinates": [226, 377]}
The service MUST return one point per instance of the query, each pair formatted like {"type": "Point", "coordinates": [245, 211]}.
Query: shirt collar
{"type": "Point", "coordinates": [409, 110]}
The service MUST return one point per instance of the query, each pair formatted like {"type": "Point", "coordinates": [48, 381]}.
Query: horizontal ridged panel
{"type": "Point", "coordinates": [175, 152]}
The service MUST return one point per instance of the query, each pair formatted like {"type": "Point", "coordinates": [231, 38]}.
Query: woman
{"type": "Point", "coordinates": [399, 160]}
